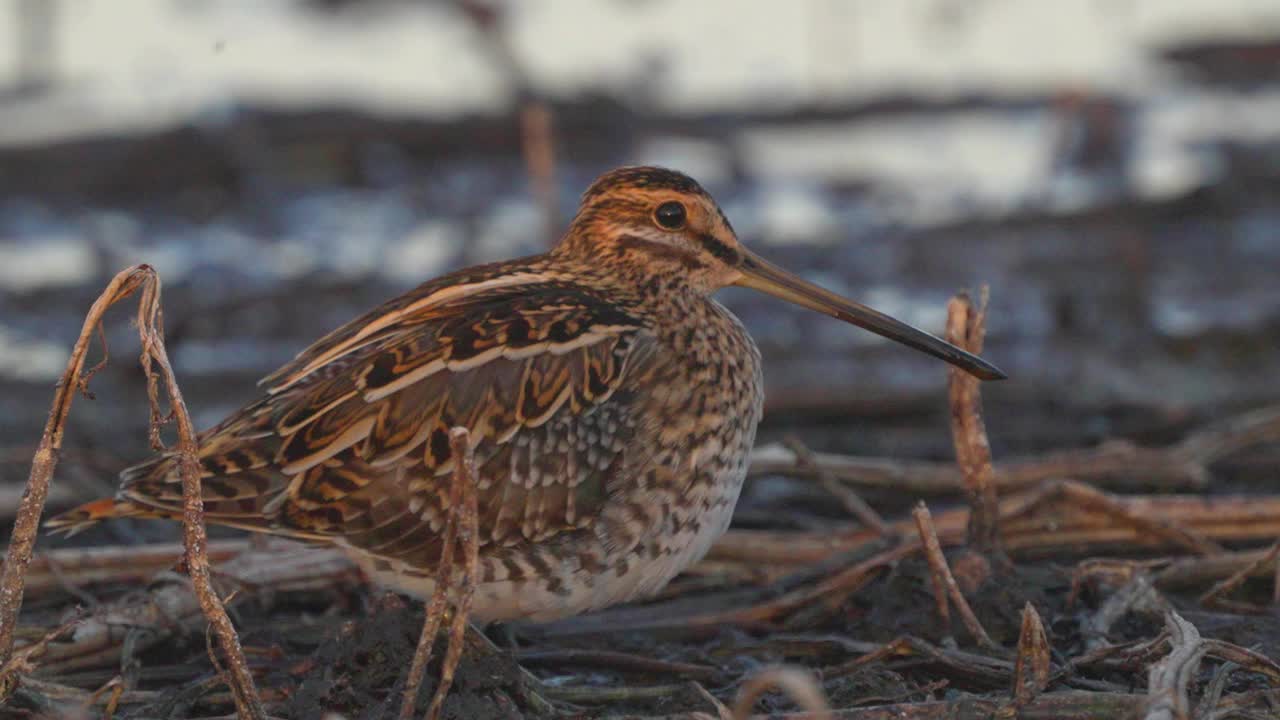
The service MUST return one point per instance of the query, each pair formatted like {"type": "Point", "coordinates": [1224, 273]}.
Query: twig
{"type": "Point", "coordinates": [1082, 496]}
{"type": "Point", "coordinates": [461, 524]}
{"type": "Point", "coordinates": [469, 537]}
{"type": "Point", "coordinates": [988, 670]}
{"type": "Point", "coordinates": [1234, 706]}
{"type": "Point", "coordinates": [1046, 519]}
{"type": "Point", "coordinates": [1136, 654]}
{"type": "Point", "coordinates": [27, 524]}
{"type": "Point", "coordinates": [847, 497]}
{"type": "Point", "coordinates": [942, 575]}
{"type": "Point", "coordinates": [927, 690]}
{"type": "Point", "coordinates": [898, 646]}
{"type": "Point", "coordinates": [1169, 679]}
{"type": "Point", "coordinates": [1184, 572]}
{"type": "Point", "coordinates": [1116, 462]}
{"type": "Point", "coordinates": [1250, 660]}
{"type": "Point", "coordinates": [1213, 597]}
{"type": "Point", "coordinates": [130, 665]}
{"type": "Point", "coordinates": [127, 564]}
{"type": "Point", "coordinates": [983, 669]}
{"type": "Point", "coordinates": [966, 326]}
{"type": "Point", "coordinates": [1213, 693]}
{"type": "Point", "coordinates": [611, 659]}
{"type": "Point", "coordinates": [832, 590]}
{"type": "Point", "coordinates": [284, 565]}
{"type": "Point", "coordinates": [1231, 435]}
{"type": "Point", "coordinates": [150, 325]}
{"type": "Point", "coordinates": [1032, 668]}
{"type": "Point", "coordinates": [941, 604]}
{"type": "Point", "coordinates": [606, 694]}
{"type": "Point", "coordinates": [722, 711]}
{"type": "Point", "coordinates": [23, 661]}
{"type": "Point", "coordinates": [798, 684]}
{"type": "Point", "coordinates": [124, 284]}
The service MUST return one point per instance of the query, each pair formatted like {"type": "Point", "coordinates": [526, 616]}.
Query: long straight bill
{"type": "Point", "coordinates": [762, 275]}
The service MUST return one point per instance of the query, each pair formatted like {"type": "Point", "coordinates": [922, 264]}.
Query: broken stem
{"type": "Point", "coordinates": [966, 327]}
{"type": "Point", "coordinates": [151, 333]}
{"type": "Point", "coordinates": [461, 524]}
{"type": "Point", "coordinates": [942, 575]}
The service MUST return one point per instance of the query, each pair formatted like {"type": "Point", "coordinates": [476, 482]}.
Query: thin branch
{"type": "Point", "coordinates": [619, 661]}
{"type": "Point", "coordinates": [1113, 463]}
{"type": "Point", "coordinates": [27, 525]}
{"type": "Point", "coordinates": [461, 524]}
{"type": "Point", "coordinates": [23, 661]}
{"type": "Point", "coordinates": [150, 325]}
{"type": "Point", "coordinates": [1033, 666]}
{"type": "Point", "coordinates": [942, 575]}
{"type": "Point", "coordinates": [1169, 679]}
{"type": "Point", "coordinates": [151, 333]}
{"type": "Point", "coordinates": [847, 497]}
{"type": "Point", "coordinates": [966, 327]}
{"type": "Point", "coordinates": [468, 519]}
{"type": "Point", "coordinates": [1083, 496]}
{"type": "Point", "coordinates": [1213, 693]}
{"type": "Point", "coordinates": [1213, 597]}
{"type": "Point", "coordinates": [83, 566]}
{"type": "Point", "coordinates": [1190, 571]}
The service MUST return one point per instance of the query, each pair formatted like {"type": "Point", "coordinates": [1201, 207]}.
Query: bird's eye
{"type": "Point", "coordinates": [670, 215]}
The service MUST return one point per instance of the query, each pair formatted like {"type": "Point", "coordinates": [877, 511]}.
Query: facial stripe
{"type": "Point", "coordinates": [722, 252]}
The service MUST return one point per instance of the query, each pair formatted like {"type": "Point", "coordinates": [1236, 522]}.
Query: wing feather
{"type": "Point", "coordinates": [352, 444]}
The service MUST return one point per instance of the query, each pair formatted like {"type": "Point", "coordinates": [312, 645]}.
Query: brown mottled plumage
{"type": "Point", "coordinates": [612, 403]}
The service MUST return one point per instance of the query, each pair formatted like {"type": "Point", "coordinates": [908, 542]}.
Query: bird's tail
{"type": "Point", "coordinates": [85, 516]}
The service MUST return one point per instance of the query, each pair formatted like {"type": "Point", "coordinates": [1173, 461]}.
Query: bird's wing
{"type": "Point", "coordinates": [351, 442]}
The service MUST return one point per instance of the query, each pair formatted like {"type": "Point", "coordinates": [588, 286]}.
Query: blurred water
{"type": "Point", "coordinates": [1124, 214]}
{"type": "Point", "coordinates": [153, 63]}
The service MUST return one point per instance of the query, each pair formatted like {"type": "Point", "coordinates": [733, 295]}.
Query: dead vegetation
{"type": "Point", "coordinates": [1076, 600]}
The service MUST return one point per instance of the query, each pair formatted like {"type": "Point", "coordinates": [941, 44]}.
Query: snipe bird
{"type": "Point", "coordinates": [611, 401]}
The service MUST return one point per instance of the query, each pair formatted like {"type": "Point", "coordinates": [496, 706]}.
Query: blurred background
{"type": "Point", "coordinates": [1109, 168]}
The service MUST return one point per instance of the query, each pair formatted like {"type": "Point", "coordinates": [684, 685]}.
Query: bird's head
{"type": "Point", "coordinates": [652, 222]}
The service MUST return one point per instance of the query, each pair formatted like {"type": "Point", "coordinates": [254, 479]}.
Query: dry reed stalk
{"type": "Point", "coordinates": [154, 355]}
{"type": "Point", "coordinates": [461, 529]}
{"type": "Point", "coordinates": [966, 328]}
{"type": "Point", "coordinates": [1114, 463]}
{"type": "Point", "coordinates": [942, 577]}
{"type": "Point", "coordinates": [1034, 663]}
